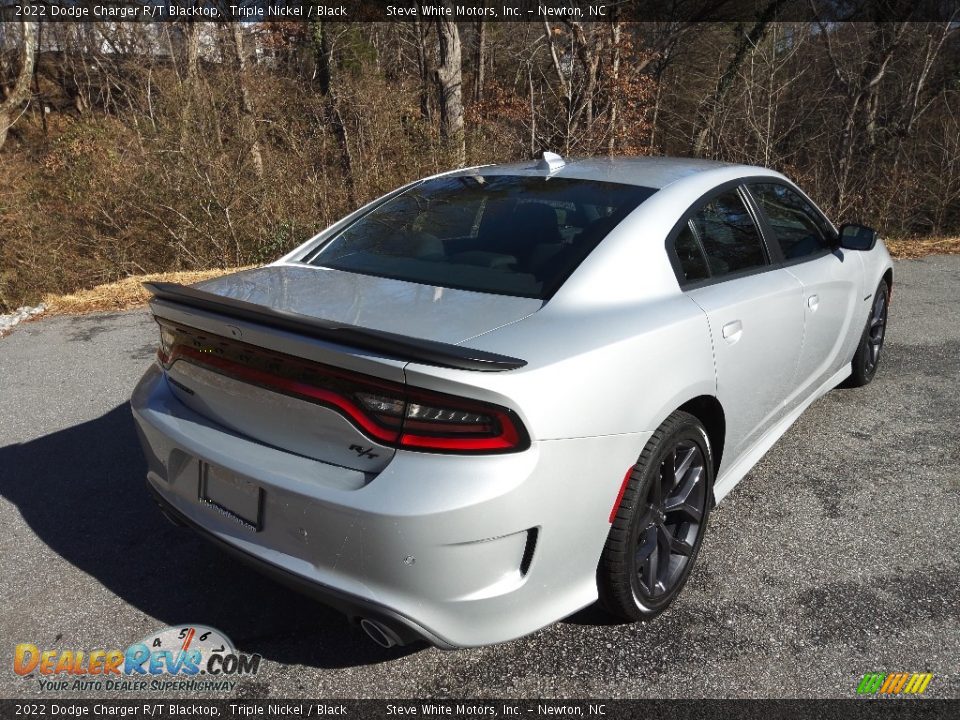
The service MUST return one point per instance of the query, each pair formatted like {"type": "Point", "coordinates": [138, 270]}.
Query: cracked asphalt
{"type": "Point", "coordinates": [836, 556]}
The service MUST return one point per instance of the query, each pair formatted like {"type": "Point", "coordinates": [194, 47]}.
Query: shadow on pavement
{"type": "Point", "coordinates": [83, 492]}
{"type": "Point", "coordinates": [594, 616]}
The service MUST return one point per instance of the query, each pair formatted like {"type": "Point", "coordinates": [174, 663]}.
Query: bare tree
{"type": "Point", "coordinates": [423, 65]}
{"type": "Point", "coordinates": [764, 114]}
{"type": "Point", "coordinates": [747, 43]}
{"type": "Point", "coordinates": [480, 61]}
{"type": "Point", "coordinates": [577, 73]}
{"type": "Point", "coordinates": [917, 99]}
{"type": "Point", "coordinates": [450, 82]}
{"type": "Point", "coordinates": [615, 33]}
{"type": "Point", "coordinates": [940, 167]}
{"type": "Point", "coordinates": [19, 93]}
{"type": "Point", "coordinates": [324, 61]}
{"type": "Point", "coordinates": [192, 52]}
{"type": "Point", "coordinates": [248, 117]}
{"type": "Point", "coordinates": [860, 82]}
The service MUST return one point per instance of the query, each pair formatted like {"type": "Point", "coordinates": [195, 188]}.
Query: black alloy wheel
{"type": "Point", "coordinates": [659, 526]}
{"type": "Point", "coordinates": [876, 330]}
{"type": "Point", "coordinates": [671, 521]}
{"type": "Point", "coordinates": [867, 357]}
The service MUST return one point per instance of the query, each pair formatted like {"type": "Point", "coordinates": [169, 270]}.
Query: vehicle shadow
{"type": "Point", "coordinates": [593, 616]}
{"type": "Point", "coordinates": [83, 492]}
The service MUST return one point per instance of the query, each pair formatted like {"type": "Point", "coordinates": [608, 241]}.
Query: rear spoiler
{"type": "Point", "coordinates": [401, 347]}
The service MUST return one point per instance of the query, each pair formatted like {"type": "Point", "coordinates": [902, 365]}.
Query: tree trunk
{"type": "Point", "coordinates": [481, 58]}
{"type": "Point", "coordinates": [450, 82]}
{"type": "Point", "coordinates": [614, 82]}
{"type": "Point", "coordinates": [533, 113]}
{"type": "Point", "coordinates": [36, 87]}
{"type": "Point", "coordinates": [20, 92]}
{"type": "Point", "coordinates": [566, 87]}
{"type": "Point", "coordinates": [323, 59]}
{"type": "Point", "coordinates": [321, 56]}
{"type": "Point", "coordinates": [192, 40]}
{"type": "Point", "coordinates": [423, 66]}
{"type": "Point", "coordinates": [192, 31]}
{"type": "Point", "coordinates": [589, 50]}
{"type": "Point", "coordinates": [248, 118]}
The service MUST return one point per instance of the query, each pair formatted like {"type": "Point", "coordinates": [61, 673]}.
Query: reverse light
{"type": "Point", "coordinates": [416, 411]}
{"type": "Point", "coordinates": [167, 338]}
{"type": "Point", "coordinates": [390, 413]}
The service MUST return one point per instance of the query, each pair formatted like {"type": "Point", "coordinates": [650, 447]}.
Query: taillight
{"type": "Point", "coordinates": [390, 413]}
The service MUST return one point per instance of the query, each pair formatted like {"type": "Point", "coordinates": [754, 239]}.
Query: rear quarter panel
{"type": "Point", "coordinates": [593, 372]}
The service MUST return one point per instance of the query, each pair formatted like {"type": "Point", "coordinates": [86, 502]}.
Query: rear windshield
{"type": "Point", "coordinates": [505, 234]}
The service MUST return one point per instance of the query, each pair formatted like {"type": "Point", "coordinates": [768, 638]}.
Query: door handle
{"type": "Point", "coordinates": [732, 331]}
{"type": "Point", "coordinates": [813, 302]}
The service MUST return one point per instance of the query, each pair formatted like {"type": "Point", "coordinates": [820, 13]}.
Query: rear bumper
{"type": "Point", "coordinates": [350, 605]}
{"type": "Point", "coordinates": [459, 551]}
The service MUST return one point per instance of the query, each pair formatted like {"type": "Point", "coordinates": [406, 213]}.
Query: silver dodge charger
{"type": "Point", "coordinates": [497, 395]}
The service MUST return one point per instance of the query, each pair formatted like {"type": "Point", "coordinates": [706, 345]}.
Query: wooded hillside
{"type": "Point", "coordinates": [133, 148]}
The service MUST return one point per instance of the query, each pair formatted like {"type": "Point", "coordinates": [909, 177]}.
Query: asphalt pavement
{"type": "Point", "coordinates": [839, 554]}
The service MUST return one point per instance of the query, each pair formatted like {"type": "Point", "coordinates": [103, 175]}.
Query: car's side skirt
{"type": "Point", "coordinates": [734, 473]}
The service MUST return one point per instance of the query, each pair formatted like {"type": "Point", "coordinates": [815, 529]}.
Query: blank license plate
{"type": "Point", "coordinates": [231, 495]}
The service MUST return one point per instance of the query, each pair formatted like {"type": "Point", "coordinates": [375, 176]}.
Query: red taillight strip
{"type": "Point", "coordinates": [448, 438]}
{"type": "Point", "coordinates": [274, 382]}
{"type": "Point", "coordinates": [507, 439]}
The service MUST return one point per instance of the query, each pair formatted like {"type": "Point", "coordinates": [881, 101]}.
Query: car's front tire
{"type": "Point", "coordinates": [658, 529]}
{"type": "Point", "coordinates": [867, 357]}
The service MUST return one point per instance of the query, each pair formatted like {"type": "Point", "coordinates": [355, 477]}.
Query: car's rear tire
{"type": "Point", "coordinates": [658, 529]}
{"type": "Point", "coordinates": [867, 357]}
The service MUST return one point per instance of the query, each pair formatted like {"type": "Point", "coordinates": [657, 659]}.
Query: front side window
{"type": "Point", "coordinates": [728, 235]}
{"type": "Point", "coordinates": [798, 228]}
{"type": "Point", "coordinates": [505, 234]}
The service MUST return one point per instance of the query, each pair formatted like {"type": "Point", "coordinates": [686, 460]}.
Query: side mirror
{"type": "Point", "coordinates": [857, 237]}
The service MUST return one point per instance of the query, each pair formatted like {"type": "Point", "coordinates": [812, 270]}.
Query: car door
{"type": "Point", "coordinates": [754, 311]}
{"type": "Point", "coordinates": [831, 281]}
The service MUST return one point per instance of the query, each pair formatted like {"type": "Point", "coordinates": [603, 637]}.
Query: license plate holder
{"type": "Point", "coordinates": [231, 495]}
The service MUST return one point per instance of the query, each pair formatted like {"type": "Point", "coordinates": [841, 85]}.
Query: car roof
{"type": "Point", "coordinates": [651, 172]}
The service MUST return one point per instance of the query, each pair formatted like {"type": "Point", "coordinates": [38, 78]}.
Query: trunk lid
{"type": "Point", "coordinates": [238, 372]}
{"type": "Point", "coordinates": [418, 311]}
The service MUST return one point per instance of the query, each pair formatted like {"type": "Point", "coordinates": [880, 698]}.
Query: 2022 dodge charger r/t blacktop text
{"type": "Point", "coordinates": [493, 396]}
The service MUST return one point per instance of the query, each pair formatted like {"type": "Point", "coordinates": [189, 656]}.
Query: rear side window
{"type": "Point", "coordinates": [505, 234]}
{"type": "Point", "coordinates": [798, 227]}
{"type": "Point", "coordinates": [693, 263]}
{"type": "Point", "coordinates": [728, 235]}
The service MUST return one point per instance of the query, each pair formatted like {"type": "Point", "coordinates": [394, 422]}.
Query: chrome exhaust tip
{"type": "Point", "coordinates": [380, 633]}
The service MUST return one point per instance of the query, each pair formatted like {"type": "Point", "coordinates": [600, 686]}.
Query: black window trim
{"type": "Point", "coordinates": [772, 260]}
{"type": "Point", "coordinates": [775, 259]}
{"type": "Point", "coordinates": [692, 226]}
{"type": "Point", "coordinates": [767, 226]}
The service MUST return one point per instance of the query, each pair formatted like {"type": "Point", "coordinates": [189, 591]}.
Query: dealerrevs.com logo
{"type": "Point", "coordinates": [894, 683]}
{"type": "Point", "coordinates": [187, 657]}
